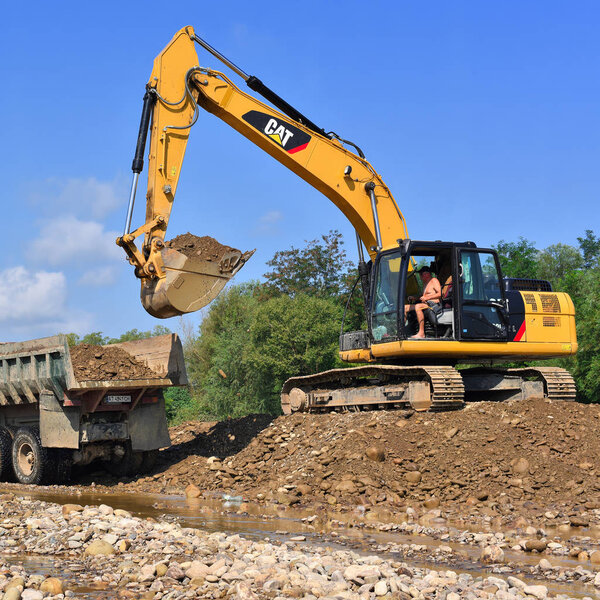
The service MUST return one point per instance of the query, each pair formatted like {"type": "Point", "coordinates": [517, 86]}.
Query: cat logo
{"type": "Point", "coordinates": [285, 135]}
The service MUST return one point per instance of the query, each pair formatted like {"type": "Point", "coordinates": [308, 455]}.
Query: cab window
{"type": "Point", "coordinates": [385, 298]}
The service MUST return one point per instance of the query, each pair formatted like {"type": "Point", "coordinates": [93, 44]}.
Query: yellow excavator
{"type": "Point", "coordinates": [479, 317]}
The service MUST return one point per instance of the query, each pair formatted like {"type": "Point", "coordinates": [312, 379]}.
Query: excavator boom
{"type": "Point", "coordinates": [174, 283]}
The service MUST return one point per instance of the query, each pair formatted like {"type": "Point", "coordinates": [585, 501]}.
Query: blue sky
{"type": "Point", "coordinates": [482, 118]}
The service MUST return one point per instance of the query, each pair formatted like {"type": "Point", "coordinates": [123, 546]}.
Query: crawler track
{"type": "Point", "coordinates": [426, 387]}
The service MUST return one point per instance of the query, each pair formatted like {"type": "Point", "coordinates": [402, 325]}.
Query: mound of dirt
{"type": "Point", "coordinates": [534, 451]}
{"type": "Point", "coordinates": [204, 247]}
{"type": "Point", "coordinates": [102, 363]}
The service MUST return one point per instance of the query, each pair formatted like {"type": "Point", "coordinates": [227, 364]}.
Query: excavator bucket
{"type": "Point", "coordinates": [197, 269]}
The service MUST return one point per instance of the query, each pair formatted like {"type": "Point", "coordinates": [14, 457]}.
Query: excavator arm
{"type": "Point", "coordinates": [178, 89]}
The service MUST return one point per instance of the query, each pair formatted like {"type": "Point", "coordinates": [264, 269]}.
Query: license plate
{"type": "Point", "coordinates": [112, 399]}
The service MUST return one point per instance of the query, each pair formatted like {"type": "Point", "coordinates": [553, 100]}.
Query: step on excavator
{"type": "Point", "coordinates": [429, 305]}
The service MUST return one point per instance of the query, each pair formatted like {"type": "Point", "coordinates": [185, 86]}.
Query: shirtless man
{"type": "Point", "coordinates": [432, 291]}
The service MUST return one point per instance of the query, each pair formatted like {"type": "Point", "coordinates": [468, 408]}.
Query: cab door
{"type": "Point", "coordinates": [482, 313]}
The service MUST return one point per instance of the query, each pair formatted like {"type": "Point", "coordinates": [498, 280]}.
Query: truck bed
{"type": "Point", "coordinates": [28, 368]}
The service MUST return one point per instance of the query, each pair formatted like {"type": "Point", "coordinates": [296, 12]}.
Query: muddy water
{"type": "Point", "coordinates": [259, 522]}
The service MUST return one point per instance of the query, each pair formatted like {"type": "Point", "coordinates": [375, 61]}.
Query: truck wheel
{"type": "Point", "coordinates": [6, 468]}
{"type": "Point", "coordinates": [29, 457]}
{"type": "Point", "coordinates": [148, 461]}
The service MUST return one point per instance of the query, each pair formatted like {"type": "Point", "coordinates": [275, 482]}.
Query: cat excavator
{"type": "Point", "coordinates": [482, 318]}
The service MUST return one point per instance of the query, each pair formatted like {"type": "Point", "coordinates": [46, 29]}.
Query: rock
{"type": "Point", "coordinates": [32, 595]}
{"type": "Point", "coordinates": [521, 466]}
{"type": "Point", "coordinates": [161, 569]}
{"type": "Point", "coordinates": [413, 476]}
{"type": "Point", "coordinates": [492, 554]}
{"type": "Point", "coordinates": [595, 557]}
{"type": "Point", "coordinates": [545, 564]}
{"type": "Point", "coordinates": [432, 502]}
{"type": "Point", "coordinates": [537, 545]}
{"type": "Point", "coordinates": [537, 591]}
{"type": "Point", "coordinates": [67, 509]}
{"type": "Point", "coordinates": [175, 572]}
{"type": "Point", "coordinates": [100, 547]}
{"type": "Point", "coordinates": [304, 489]}
{"type": "Point", "coordinates": [375, 453]}
{"type": "Point", "coordinates": [597, 579]}
{"type": "Point", "coordinates": [15, 582]}
{"type": "Point", "coordinates": [451, 433]}
{"type": "Point", "coordinates": [52, 585]}
{"type": "Point", "coordinates": [578, 522]}
{"type": "Point", "coordinates": [515, 582]}
{"type": "Point", "coordinates": [192, 491]}
{"type": "Point", "coordinates": [583, 556]}
{"type": "Point", "coordinates": [147, 573]}
{"type": "Point", "coordinates": [197, 569]}
{"type": "Point", "coordinates": [381, 588]}
{"type": "Point", "coordinates": [346, 486]}
{"type": "Point", "coordinates": [124, 545]}
{"type": "Point", "coordinates": [212, 578]}
{"type": "Point", "coordinates": [13, 593]}
{"type": "Point", "coordinates": [454, 596]}
{"type": "Point", "coordinates": [242, 591]}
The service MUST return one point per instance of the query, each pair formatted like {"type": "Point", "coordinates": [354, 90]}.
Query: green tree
{"type": "Point", "coordinates": [590, 248]}
{"type": "Point", "coordinates": [584, 289]}
{"type": "Point", "coordinates": [320, 268]}
{"type": "Point", "coordinates": [95, 338]}
{"type": "Point", "coordinates": [518, 259]}
{"type": "Point", "coordinates": [558, 260]}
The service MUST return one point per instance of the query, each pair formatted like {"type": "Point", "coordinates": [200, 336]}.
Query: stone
{"type": "Point", "coordinates": [451, 433]}
{"type": "Point", "coordinates": [432, 502]}
{"type": "Point", "coordinates": [515, 582]}
{"type": "Point", "coordinates": [15, 582]}
{"type": "Point", "coordinates": [492, 554]}
{"type": "Point", "coordinates": [413, 476]}
{"type": "Point", "coordinates": [595, 557]}
{"type": "Point", "coordinates": [197, 569]}
{"type": "Point", "coordinates": [381, 588]}
{"type": "Point", "coordinates": [174, 572]}
{"type": "Point", "coordinates": [537, 545]}
{"type": "Point", "coordinates": [537, 591]}
{"type": "Point", "coordinates": [100, 547]}
{"type": "Point", "coordinates": [521, 466]}
{"type": "Point", "coordinates": [454, 596]}
{"type": "Point", "coordinates": [545, 564]}
{"type": "Point", "coordinates": [346, 486]}
{"type": "Point", "coordinates": [303, 489]}
{"type": "Point", "coordinates": [375, 453]}
{"type": "Point", "coordinates": [578, 522]}
{"type": "Point", "coordinates": [147, 573]}
{"type": "Point", "coordinates": [67, 509]}
{"type": "Point", "coordinates": [161, 569]}
{"type": "Point", "coordinates": [13, 593]}
{"type": "Point", "coordinates": [242, 591]}
{"type": "Point", "coordinates": [192, 491]}
{"type": "Point", "coordinates": [52, 585]}
{"type": "Point", "coordinates": [124, 545]}
{"type": "Point", "coordinates": [31, 594]}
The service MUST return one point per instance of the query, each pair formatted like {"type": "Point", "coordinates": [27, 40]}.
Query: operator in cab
{"type": "Point", "coordinates": [432, 296]}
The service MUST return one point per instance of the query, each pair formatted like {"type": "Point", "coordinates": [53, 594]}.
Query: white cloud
{"type": "Point", "coordinates": [70, 241]}
{"type": "Point", "coordinates": [100, 277]}
{"type": "Point", "coordinates": [268, 224]}
{"type": "Point", "coordinates": [33, 304]}
{"type": "Point", "coordinates": [27, 296]}
{"type": "Point", "coordinates": [84, 196]}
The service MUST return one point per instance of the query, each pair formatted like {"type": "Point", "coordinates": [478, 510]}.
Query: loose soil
{"type": "Point", "coordinates": [101, 363]}
{"type": "Point", "coordinates": [204, 247]}
{"type": "Point", "coordinates": [535, 453]}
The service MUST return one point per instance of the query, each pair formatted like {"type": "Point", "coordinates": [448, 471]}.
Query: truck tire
{"type": "Point", "coordinates": [6, 468]}
{"type": "Point", "coordinates": [29, 457]}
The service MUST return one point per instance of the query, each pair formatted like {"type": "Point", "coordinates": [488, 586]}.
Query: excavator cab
{"type": "Point", "coordinates": [472, 305]}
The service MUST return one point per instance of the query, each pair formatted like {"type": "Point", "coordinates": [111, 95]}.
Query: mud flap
{"type": "Point", "coordinates": [59, 425]}
{"type": "Point", "coordinates": [148, 427]}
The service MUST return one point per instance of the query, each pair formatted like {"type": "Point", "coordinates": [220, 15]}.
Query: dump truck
{"type": "Point", "coordinates": [60, 408]}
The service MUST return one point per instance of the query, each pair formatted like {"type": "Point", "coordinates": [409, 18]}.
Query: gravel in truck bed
{"type": "Point", "coordinates": [102, 363]}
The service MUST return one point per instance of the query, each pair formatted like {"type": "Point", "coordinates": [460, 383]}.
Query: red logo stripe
{"type": "Point", "coordinates": [520, 333]}
{"type": "Point", "coordinates": [297, 148]}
